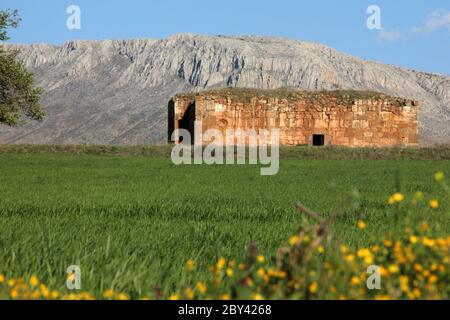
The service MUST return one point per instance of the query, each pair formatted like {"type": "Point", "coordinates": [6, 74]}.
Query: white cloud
{"type": "Point", "coordinates": [436, 20]}
{"type": "Point", "coordinates": [385, 35]}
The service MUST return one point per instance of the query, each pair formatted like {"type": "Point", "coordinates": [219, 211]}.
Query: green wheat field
{"type": "Point", "coordinates": [131, 219]}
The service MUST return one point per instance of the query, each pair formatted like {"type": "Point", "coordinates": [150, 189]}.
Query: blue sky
{"type": "Point", "coordinates": [414, 34]}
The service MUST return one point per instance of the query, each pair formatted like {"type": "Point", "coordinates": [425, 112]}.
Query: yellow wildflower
{"type": "Point", "coordinates": [225, 297]}
{"type": "Point", "coordinates": [189, 293]}
{"type": "Point", "coordinates": [71, 276]}
{"type": "Point", "coordinates": [294, 240]}
{"type": "Point", "coordinates": [432, 279]}
{"type": "Point", "coordinates": [201, 286]}
{"type": "Point", "coordinates": [261, 259]}
{"type": "Point", "coordinates": [281, 274]}
{"type": "Point", "coordinates": [261, 272]}
{"type": "Point", "coordinates": [366, 255]}
{"type": "Point", "coordinates": [434, 204]}
{"type": "Point", "coordinates": [362, 225]}
{"type": "Point", "coordinates": [428, 242]}
{"type": "Point", "coordinates": [14, 294]}
{"type": "Point", "coordinates": [108, 293]}
{"type": "Point", "coordinates": [343, 249]}
{"type": "Point", "coordinates": [393, 268]}
{"type": "Point", "coordinates": [221, 263]}
{"type": "Point", "coordinates": [44, 290]}
{"type": "Point", "coordinates": [88, 296]}
{"type": "Point", "coordinates": [34, 281]}
{"type": "Point", "coordinates": [439, 176]}
{"type": "Point", "coordinates": [190, 264]}
{"type": "Point", "coordinates": [396, 198]}
{"type": "Point", "coordinates": [355, 281]}
{"type": "Point", "coordinates": [413, 239]}
{"type": "Point", "coordinates": [382, 297]}
{"type": "Point", "coordinates": [122, 296]}
{"type": "Point", "coordinates": [410, 295]}
{"type": "Point", "coordinates": [404, 281]}
{"type": "Point", "coordinates": [313, 287]}
{"type": "Point", "coordinates": [368, 260]}
{"type": "Point", "coordinates": [257, 296]}
{"type": "Point", "coordinates": [2, 278]}
{"type": "Point", "coordinates": [174, 297]}
{"type": "Point", "coordinates": [36, 295]}
{"type": "Point", "coordinates": [229, 272]}
{"type": "Point", "coordinates": [384, 272]}
{"type": "Point", "coordinates": [350, 258]}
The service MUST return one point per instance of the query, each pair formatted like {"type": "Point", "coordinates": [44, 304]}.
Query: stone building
{"type": "Point", "coordinates": [348, 118]}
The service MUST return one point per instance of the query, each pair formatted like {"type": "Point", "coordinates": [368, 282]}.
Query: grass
{"type": "Point", "coordinates": [131, 221]}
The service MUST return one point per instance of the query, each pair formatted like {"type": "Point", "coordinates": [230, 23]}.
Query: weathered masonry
{"type": "Point", "coordinates": [348, 118]}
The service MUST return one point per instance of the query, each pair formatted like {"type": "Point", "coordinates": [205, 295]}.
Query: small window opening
{"type": "Point", "coordinates": [318, 140]}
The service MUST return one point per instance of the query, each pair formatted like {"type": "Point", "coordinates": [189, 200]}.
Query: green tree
{"type": "Point", "coordinates": [19, 97]}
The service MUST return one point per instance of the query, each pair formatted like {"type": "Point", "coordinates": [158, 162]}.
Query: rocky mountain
{"type": "Point", "coordinates": [117, 92]}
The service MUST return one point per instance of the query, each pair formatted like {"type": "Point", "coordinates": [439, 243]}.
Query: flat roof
{"type": "Point", "coordinates": [344, 96]}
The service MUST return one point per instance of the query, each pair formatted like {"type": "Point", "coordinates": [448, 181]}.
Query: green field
{"type": "Point", "coordinates": [131, 222]}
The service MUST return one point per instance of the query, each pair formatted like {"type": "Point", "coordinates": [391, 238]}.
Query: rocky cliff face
{"type": "Point", "coordinates": [116, 92]}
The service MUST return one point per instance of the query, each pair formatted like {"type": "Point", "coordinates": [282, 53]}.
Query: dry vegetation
{"type": "Point", "coordinates": [299, 152]}
{"type": "Point", "coordinates": [341, 96]}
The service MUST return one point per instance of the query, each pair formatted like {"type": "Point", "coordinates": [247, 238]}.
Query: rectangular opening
{"type": "Point", "coordinates": [170, 121]}
{"type": "Point", "coordinates": [318, 140]}
{"type": "Point", "coordinates": [188, 122]}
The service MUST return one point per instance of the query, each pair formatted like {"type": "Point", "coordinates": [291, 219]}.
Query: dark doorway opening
{"type": "Point", "coordinates": [188, 121]}
{"type": "Point", "coordinates": [318, 140]}
{"type": "Point", "coordinates": [171, 121]}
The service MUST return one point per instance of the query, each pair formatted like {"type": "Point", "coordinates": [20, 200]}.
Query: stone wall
{"type": "Point", "coordinates": [343, 118]}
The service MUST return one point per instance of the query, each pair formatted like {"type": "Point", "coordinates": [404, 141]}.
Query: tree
{"type": "Point", "coordinates": [18, 96]}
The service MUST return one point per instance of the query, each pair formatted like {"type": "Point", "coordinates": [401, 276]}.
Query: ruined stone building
{"type": "Point", "coordinates": [347, 118]}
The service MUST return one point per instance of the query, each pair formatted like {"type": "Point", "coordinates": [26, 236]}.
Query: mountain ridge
{"type": "Point", "coordinates": [116, 91]}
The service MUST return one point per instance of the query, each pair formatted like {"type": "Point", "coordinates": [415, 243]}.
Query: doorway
{"type": "Point", "coordinates": [188, 122]}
